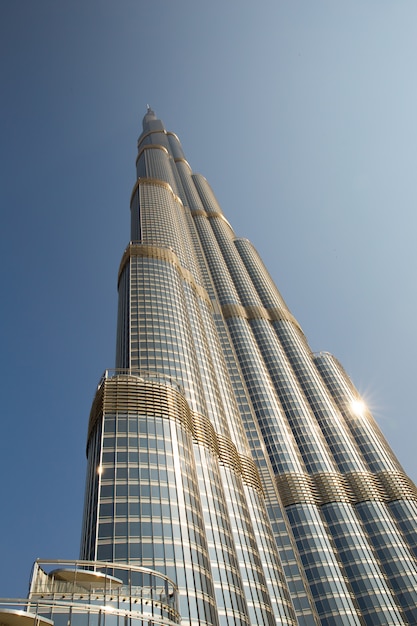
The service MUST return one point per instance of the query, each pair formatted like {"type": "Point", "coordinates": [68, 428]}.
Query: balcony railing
{"type": "Point", "coordinates": [86, 593]}
{"type": "Point", "coordinates": [145, 375]}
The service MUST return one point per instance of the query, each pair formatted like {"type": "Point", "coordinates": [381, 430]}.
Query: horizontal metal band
{"type": "Point", "coordinates": [354, 487]}
{"type": "Point", "coordinates": [384, 486]}
{"type": "Point", "coordinates": [295, 489]}
{"type": "Point", "coordinates": [330, 487]}
{"type": "Point", "coordinates": [149, 251]}
{"type": "Point", "coordinates": [204, 433]}
{"type": "Point", "coordinates": [128, 393]}
{"type": "Point", "coordinates": [156, 251]}
{"type": "Point", "coordinates": [258, 312]}
{"type": "Point", "coordinates": [234, 310]}
{"type": "Point", "coordinates": [211, 215]}
{"type": "Point", "coordinates": [228, 453]}
{"type": "Point", "coordinates": [133, 393]}
{"type": "Point", "coordinates": [397, 486]}
{"type": "Point", "coordinates": [182, 160]}
{"type": "Point", "coordinates": [169, 132]}
{"type": "Point", "coordinates": [250, 473]}
{"type": "Point", "coordinates": [151, 146]}
{"type": "Point", "coordinates": [277, 314]}
{"type": "Point", "coordinates": [161, 131]}
{"type": "Point", "coordinates": [214, 214]}
{"type": "Point", "coordinates": [364, 486]}
{"type": "Point", "coordinates": [152, 182]}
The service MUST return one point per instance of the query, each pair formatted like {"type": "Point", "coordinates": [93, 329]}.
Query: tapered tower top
{"type": "Point", "coordinates": [150, 114]}
{"type": "Point", "coordinates": [150, 121]}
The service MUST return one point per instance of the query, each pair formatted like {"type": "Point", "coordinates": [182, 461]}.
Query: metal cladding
{"type": "Point", "coordinates": [221, 452]}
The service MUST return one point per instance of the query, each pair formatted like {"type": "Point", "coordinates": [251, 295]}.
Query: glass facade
{"type": "Point", "coordinates": [221, 451]}
{"type": "Point", "coordinates": [224, 457]}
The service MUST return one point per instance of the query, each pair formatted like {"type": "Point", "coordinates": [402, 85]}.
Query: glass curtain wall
{"type": "Point", "coordinates": [221, 451]}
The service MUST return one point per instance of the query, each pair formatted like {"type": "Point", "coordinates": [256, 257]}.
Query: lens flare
{"type": "Point", "coordinates": [358, 407]}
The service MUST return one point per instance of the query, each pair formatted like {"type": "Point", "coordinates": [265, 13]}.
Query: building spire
{"type": "Point", "coordinates": [150, 112]}
{"type": "Point", "coordinates": [150, 120]}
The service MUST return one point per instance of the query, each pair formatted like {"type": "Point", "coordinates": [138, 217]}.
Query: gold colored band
{"type": "Point", "coordinates": [330, 487]}
{"type": "Point", "coordinates": [384, 486]}
{"type": "Point", "coordinates": [234, 310]}
{"type": "Point", "coordinates": [150, 251]}
{"type": "Point", "coordinates": [182, 160]}
{"type": "Point", "coordinates": [295, 489]}
{"type": "Point", "coordinates": [169, 132]}
{"type": "Point", "coordinates": [151, 146]}
{"type": "Point", "coordinates": [211, 215]}
{"type": "Point", "coordinates": [204, 433]}
{"type": "Point", "coordinates": [228, 453]}
{"type": "Point", "coordinates": [397, 486]}
{"type": "Point", "coordinates": [127, 393]}
{"type": "Point", "coordinates": [354, 487]}
{"type": "Point", "coordinates": [276, 314]}
{"type": "Point", "coordinates": [155, 251]}
{"type": "Point", "coordinates": [217, 214]}
{"type": "Point", "coordinates": [250, 473]}
{"type": "Point", "coordinates": [160, 131]}
{"type": "Point", "coordinates": [258, 312]}
{"type": "Point", "coordinates": [364, 486]}
{"type": "Point", "coordinates": [154, 182]}
{"type": "Point", "coordinates": [152, 132]}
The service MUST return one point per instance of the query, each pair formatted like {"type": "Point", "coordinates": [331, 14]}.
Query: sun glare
{"type": "Point", "coordinates": [358, 407]}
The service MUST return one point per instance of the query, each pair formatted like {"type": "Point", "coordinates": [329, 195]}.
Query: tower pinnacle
{"type": "Point", "coordinates": [150, 120]}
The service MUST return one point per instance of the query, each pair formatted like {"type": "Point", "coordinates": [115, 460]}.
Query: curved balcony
{"type": "Point", "coordinates": [144, 375]}
{"type": "Point", "coordinates": [87, 593]}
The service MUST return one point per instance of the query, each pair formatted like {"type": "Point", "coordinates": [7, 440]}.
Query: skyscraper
{"type": "Point", "coordinates": [222, 454]}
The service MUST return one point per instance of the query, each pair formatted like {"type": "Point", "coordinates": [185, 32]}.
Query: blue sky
{"type": "Point", "coordinates": [302, 116]}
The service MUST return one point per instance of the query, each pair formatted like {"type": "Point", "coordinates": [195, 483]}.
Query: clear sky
{"type": "Point", "coordinates": [302, 116]}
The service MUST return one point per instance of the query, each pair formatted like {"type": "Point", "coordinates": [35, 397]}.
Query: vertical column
{"type": "Point", "coordinates": [400, 492]}
{"type": "Point", "coordinates": [336, 599]}
{"type": "Point", "coordinates": [148, 509]}
{"type": "Point", "coordinates": [166, 330]}
{"type": "Point", "coordinates": [378, 604]}
{"type": "Point", "coordinates": [281, 531]}
{"type": "Point", "coordinates": [244, 519]}
{"type": "Point", "coordinates": [346, 453]}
